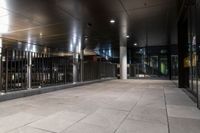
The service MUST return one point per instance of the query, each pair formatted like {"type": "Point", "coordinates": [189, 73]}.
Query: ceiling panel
{"type": "Point", "coordinates": [59, 21]}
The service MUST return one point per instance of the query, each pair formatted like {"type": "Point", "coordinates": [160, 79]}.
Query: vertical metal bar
{"type": "Point", "coordinates": [56, 67]}
{"type": "Point", "coordinates": [29, 64]}
{"type": "Point", "coordinates": [11, 70]}
{"type": "Point", "coordinates": [1, 45]}
{"type": "Point", "coordinates": [51, 69]}
{"type": "Point", "coordinates": [37, 69]}
{"type": "Point", "coordinates": [21, 68]}
{"type": "Point", "coordinates": [39, 64]}
{"type": "Point", "coordinates": [32, 54]}
{"type": "Point", "coordinates": [6, 88]}
{"type": "Point", "coordinates": [65, 71]}
{"type": "Point", "coordinates": [42, 68]}
{"type": "Point", "coordinates": [81, 64]}
{"type": "Point", "coordinates": [18, 69]}
{"type": "Point", "coordinates": [24, 69]}
{"type": "Point", "coordinates": [59, 70]}
{"type": "Point", "coordinates": [23, 64]}
{"type": "Point", "coordinates": [46, 68]}
{"type": "Point", "coordinates": [2, 69]}
{"type": "Point", "coordinates": [15, 69]}
{"type": "Point", "coordinates": [22, 76]}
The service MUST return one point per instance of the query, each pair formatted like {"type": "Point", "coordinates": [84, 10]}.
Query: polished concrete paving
{"type": "Point", "coordinates": [129, 106]}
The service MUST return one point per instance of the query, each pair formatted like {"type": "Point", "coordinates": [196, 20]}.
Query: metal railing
{"type": "Point", "coordinates": [98, 70]}
{"type": "Point", "coordinates": [21, 69]}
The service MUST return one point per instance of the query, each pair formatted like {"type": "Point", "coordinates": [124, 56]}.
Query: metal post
{"type": "Point", "coordinates": [75, 67]}
{"type": "Point", "coordinates": [1, 45]}
{"type": "Point", "coordinates": [29, 74]}
{"type": "Point", "coordinates": [82, 65]}
{"type": "Point", "coordinates": [6, 87]}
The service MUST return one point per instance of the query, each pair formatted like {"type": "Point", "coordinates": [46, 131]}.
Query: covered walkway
{"type": "Point", "coordinates": [129, 106]}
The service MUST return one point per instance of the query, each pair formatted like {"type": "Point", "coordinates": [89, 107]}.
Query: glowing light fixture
{"type": "Point", "coordinates": [135, 44]}
{"type": "Point", "coordinates": [4, 19]}
{"type": "Point", "coordinates": [127, 36]}
{"type": "Point", "coordinates": [112, 21]}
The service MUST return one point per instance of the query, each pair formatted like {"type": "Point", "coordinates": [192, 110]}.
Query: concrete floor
{"type": "Point", "coordinates": [130, 106]}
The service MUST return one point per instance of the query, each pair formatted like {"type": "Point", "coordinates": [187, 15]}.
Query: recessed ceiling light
{"type": "Point", "coordinates": [135, 44]}
{"type": "Point", "coordinates": [86, 38]}
{"type": "Point", "coordinates": [127, 36]}
{"type": "Point", "coordinates": [112, 21]}
{"type": "Point", "coordinates": [19, 43]}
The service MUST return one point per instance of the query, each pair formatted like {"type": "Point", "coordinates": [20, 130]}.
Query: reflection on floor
{"type": "Point", "coordinates": [129, 106]}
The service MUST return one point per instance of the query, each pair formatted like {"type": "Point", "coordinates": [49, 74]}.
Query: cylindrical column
{"type": "Point", "coordinates": [123, 47]}
{"type": "Point", "coordinates": [29, 72]}
{"type": "Point", "coordinates": [123, 62]}
{"type": "Point", "coordinates": [75, 67]}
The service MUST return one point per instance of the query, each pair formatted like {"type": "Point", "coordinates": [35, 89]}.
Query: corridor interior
{"type": "Point", "coordinates": [115, 106]}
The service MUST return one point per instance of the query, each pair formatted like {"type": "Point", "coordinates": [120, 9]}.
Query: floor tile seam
{"type": "Point", "coordinates": [147, 121]}
{"type": "Point", "coordinates": [75, 122]}
{"type": "Point", "coordinates": [27, 124]}
{"type": "Point", "coordinates": [168, 123]}
{"type": "Point", "coordinates": [182, 106]}
{"type": "Point", "coordinates": [121, 110]}
{"type": "Point", "coordinates": [125, 118]}
{"type": "Point", "coordinates": [42, 129]}
{"type": "Point", "coordinates": [184, 118]}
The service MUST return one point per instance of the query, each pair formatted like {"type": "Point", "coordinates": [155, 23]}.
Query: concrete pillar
{"type": "Point", "coordinates": [75, 67]}
{"type": "Point", "coordinates": [29, 72]}
{"type": "Point", "coordinates": [123, 57]}
{"type": "Point", "coordinates": [1, 45]}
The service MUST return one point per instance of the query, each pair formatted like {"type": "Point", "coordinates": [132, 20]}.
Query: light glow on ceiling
{"type": "Point", "coordinates": [4, 17]}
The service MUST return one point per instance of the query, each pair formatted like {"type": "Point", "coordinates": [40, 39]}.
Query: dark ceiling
{"type": "Point", "coordinates": [57, 23]}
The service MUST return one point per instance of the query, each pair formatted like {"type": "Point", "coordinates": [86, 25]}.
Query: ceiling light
{"type": "Point", "coordinates": [86, 38]}
{"type": "Point", "coordinates": [112, 21]}
{"type": "Point", "coordinates": [127, 36]}
{"type": "Point", "coordinates": [135, 44]}
{"type": "Point", "coordinates": [19, 43]}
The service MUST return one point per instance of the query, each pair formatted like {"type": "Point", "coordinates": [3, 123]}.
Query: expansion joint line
{"type": "Point", "coordinates": [166, 110]}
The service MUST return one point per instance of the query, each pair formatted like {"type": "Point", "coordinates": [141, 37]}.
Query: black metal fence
{"type": "Point", "coordinates": [46, 70]}
{"type": "Point", "coordinates": [98, 70]}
